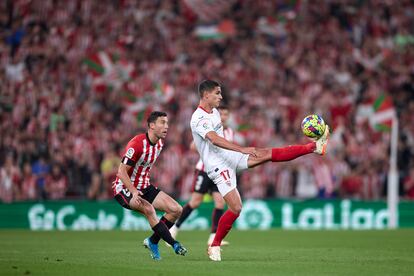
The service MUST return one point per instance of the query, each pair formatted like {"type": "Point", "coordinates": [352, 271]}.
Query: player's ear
{"type": "Point", "coordinates": [207, 93]}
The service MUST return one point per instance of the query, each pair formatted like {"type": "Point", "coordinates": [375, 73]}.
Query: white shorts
{"type": "Point", "coordinates": [224, 174]}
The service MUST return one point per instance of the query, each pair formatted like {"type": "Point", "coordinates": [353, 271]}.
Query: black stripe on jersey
{"type": "Point", "coordinates": [128, 161]}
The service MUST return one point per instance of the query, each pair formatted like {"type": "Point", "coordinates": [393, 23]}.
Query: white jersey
{"type": "Point", "coordinates": [228, 135]}
{"type": "Point", "coordinates": [202, 123]}
{"type": "Point", "coordinates": [221, 165]}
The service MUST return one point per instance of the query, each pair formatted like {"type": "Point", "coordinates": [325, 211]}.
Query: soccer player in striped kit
{"type": "Point", "coordinates": [202, 185]}
{"type": "Point", "coordinates": [222, 159]}
{"type": "Point", "coordinates": [132, 188]}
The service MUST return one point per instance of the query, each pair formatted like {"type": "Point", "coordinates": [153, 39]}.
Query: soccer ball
{"type": "Point", "coordinates": [313, 126]}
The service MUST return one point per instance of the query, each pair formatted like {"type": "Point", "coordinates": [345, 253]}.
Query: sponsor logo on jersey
{"type": "Point", "coordinates": [217, 127]}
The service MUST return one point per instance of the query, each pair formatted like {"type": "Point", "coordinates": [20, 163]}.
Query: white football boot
{"type": "Point", "coordinates": [322, 142]}
{"type": "Point", "coordinates": [211, 239]}
{"type": "Point", "coordinates": [214, 253]}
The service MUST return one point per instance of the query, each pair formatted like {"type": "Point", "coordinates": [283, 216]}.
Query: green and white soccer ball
{"type": "Point", "coordinates": [313, 126]}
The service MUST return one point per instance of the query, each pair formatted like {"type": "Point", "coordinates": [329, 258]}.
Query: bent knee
{"type": "Point", "coordinates": [175, 210]}
{"type": "Point", "coordinates": [236, 209]}
{"type": "Point", "coordinates": [179, 209]}
{"type": "Point", "coordinates": [148, 209]}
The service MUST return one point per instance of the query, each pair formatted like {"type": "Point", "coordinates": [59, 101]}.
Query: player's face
{"type": "Point", "coordinates": [224, 115]}
{"type": "Point", "coordinates": [160, 127]}
{"type": "Point", "coordinates": [214, 97]}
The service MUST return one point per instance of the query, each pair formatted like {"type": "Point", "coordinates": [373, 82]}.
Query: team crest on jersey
{"type": "Point", "coordinates": [130, 152]}
{"type": "Point", "coordinates": [205, 125]}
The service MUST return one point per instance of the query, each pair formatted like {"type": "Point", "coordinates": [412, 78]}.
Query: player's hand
{"type": "Point", "coordinates": [136, 195]}
{"type": "Point", "coordinates": [249, 150]}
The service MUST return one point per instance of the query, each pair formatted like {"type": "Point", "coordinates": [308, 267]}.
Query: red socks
{"type": "Point", "coordinates": [224, 226]}
{"type": "Point", "coordinates": [291, 152]}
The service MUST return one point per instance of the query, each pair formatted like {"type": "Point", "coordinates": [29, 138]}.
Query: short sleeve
{"type": "Point", "coordinates": [131, 154]}
{"type": "Point", "coordinates": [203, 126]}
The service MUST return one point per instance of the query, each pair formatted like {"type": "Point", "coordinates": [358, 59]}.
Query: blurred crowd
{"type": "Point", "coordinates": [278, 61]}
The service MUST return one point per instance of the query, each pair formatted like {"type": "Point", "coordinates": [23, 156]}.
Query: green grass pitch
{"type": "Point", "coordinates": [274, 252]}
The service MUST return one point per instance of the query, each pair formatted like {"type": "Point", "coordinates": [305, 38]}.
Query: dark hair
{"type": "Point", "coordinates": [154, 116]}
{"type": "Point", "coordinates": [206, 85]}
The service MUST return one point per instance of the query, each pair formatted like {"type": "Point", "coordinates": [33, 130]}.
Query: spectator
{"type": "Point", "coordinates": [109, 168]}
{"type": "Point", "coordinates": [409, 185]}
{"type": "Point", "coordinates": [9, 179]}
{"type": "Point", "coordinates": [71, 71]}
{"type": "Point", "coordinates": [28, 184]}
{"type": "Point", "coordinates": [351, 186]}
{"type": "Point", "coordinates": [41, 169]}
{"type": "Point", "coordinates": [96, 189]}
{"type": "Point", "coordinates": [56, 184]}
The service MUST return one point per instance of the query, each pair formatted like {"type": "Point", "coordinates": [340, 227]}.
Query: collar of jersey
{"type": "Point", "coordinates": [151, 143]}
{"type": "Point", "coordinates": [205, 110]}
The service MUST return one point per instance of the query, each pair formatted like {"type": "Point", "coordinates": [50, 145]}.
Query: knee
{"type": "Point", "coordinates": [236, 209]}
{"type": "Point", "coordinates": [176, 210]}
{"type": "Point", "coordinates": [149, 210]}
{"type": "Point", "coordinates": [179, 209]}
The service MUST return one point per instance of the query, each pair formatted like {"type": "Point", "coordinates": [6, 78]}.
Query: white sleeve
{"type": "Point", "coordinates": [202, 127]}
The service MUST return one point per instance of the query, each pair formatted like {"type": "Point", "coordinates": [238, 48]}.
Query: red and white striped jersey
{"type": "Point", "coordinates": [228, 135]}
{"type": "Point", "coordinates": [141, 154]}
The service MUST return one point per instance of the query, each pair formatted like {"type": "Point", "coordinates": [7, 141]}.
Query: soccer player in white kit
{"type": "Point", "coordinates": [222, 159]}
{"type": "Point", "coordinates": [202, 185]}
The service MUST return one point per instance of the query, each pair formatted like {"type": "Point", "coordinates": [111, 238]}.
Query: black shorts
{"type": "Point", "coordinates": [202, 183]}
{"type": "Point", "coordinates": [125, 196]}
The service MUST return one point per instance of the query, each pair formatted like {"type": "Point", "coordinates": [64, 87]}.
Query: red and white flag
{"type": "Point", "coordinates": [108, 70]}
{"type": "Point", "coordinates": [383, 113]}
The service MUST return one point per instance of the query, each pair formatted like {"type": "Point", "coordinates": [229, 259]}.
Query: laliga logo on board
{"type": "Point", "coordinates": [324, 218]}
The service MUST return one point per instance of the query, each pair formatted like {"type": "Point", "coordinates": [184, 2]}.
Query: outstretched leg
{"type": "Point", "coordinates": [290, 152]}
